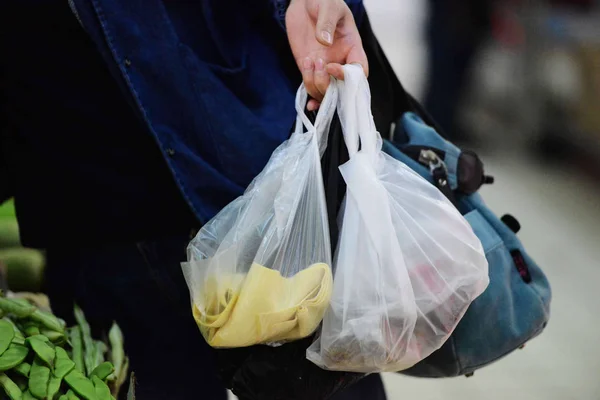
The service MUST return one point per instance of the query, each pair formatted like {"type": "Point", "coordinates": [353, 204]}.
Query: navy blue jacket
{"type": "Point", "coordinates": [211, 81]}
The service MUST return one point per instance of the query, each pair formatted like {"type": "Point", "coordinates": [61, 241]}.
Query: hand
{"type": "Point", "coordinates": [323, 36]}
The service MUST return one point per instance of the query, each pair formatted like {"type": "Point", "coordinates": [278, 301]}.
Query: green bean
{"type": "Point", "coordinates": [63, 364]}
{"type": "Point", "coordinates": [103, 370]}
{"type": "Point", "coordinates": [13, 356]}
{"type": "Point", "coordinates": [76, 344]}
{"type": "Point", "coordinates": [7, 334]}
{"type": "Point", "coordinates": [131, 391]}
{"type": "Point", "coordinates": [101, 349]}
{"type": "Point", "coordinates": [31, 329]}
{"type": "Point", "coordinates": [88, 343]}
{"type": "Point", "coordinates": [41, 346]}
{"type": "Point", "coordinates": [16, 308]}
{"type": "Point", "coordinates": [81, 385]}
{"type": "Point", "coordinates": [123, 375]}
{"type": "Point", "coordinates": [10, 388]}
{"type": "Point", "coordinates": [18, 338]}
{"type": "Point", "coordinates": [28, 396]}
{"type": "Point", "coordinates": [48, 320]}
{"type": "Point", "coordinates": [53, 386]}
{"type": "Point", "coordinates": [23, 369]}
{"type": "Point", "coordinates": [115, 337]}
{"type": "Point", "coordinates": [53, 336]}
{"type": "Point", "coordinates": [102, 391]}
{"type": "Point", "coordinates": [22, 301]}
{"type": "Point", "coordinates": [72, 396]}
{"type": "Point", "coordinates": [39, 376]}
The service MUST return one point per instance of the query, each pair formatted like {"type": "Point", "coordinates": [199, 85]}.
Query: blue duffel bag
{"type": "Point", "coordinates": [516, 305]}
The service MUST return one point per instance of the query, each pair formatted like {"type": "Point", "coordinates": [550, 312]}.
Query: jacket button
{"type": "Point", "coordinates": [170, 152]}
{"type": "Point", "coordinates": [127, 62]}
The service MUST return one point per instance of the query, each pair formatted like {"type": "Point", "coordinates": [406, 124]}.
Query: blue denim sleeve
{"type": "Point", "coordinates": [356, 6]}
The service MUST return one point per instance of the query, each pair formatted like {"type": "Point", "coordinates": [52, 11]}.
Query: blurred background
{"type": "Point", "coordinates": [518, 81]}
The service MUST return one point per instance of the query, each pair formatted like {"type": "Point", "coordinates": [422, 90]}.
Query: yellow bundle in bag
{"type": "Point", "coordinates": [264, 307]}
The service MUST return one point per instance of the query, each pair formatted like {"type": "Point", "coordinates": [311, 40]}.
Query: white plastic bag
{"type": "Point", "coordinates": [259, 272]}
{"type": "Point", "coordinates": [407, 265]}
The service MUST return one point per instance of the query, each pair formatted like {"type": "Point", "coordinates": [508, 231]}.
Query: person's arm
{"type": "Point", "coordinates": [323, 36]}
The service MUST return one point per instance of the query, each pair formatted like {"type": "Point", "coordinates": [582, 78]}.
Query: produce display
{"type": "Point", "coordinates": [41, 358]}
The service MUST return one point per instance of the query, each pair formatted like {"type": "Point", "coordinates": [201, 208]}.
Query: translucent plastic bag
{"type": "Point", "coordinates": [259, 272]}
{"type": "Point", "coordinates": [407, 264]}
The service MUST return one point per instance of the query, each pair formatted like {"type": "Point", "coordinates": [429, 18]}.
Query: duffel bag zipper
{"type": "Point", "coordinates": [438, 170]}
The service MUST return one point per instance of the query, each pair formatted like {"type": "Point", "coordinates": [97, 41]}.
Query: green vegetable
{"type": "Point", "coordinates": [53, 336]}
{"type": "Point", "coordinates": [53, 386]}
{"type": "Point", "coordinates": [11, 388]}
{"type": "Point", "coordinates": [102, 391]}
{"type": "Point", "coordinates": [101, 348]}
{"type": "Point", "coordinates": [18, 338]}
{"type": "Point", "coordinates": [23, 369]}
{"type": "Point", "coordinates": [16, 308]}
{"type": "Point", "coordinates": [123, 375]}
{"type": "Point", "coordinates": [41, 346]}
{"type": "Point", "coordinates": [28, 396]}
{"type": "Point", "coordinates": [7, 334]}
{"type": "Point", "coordinates": [13, 356]}
{"type": "Point", "coordinates": [81, 385]}
{"type": "Point", "coordinates": [63, 364]}
{"type": "Point", "coordinates": [77, 346]}
{"type": "Point", "coordinates": [117, 355]}
{"type": "Point", "coordinates": [48, 320]}
{"type": "Point", "coordinates": [37, 365]}
{"type": "Point", "coordinates": [103, 370]}
{"type": "Point", "coordinates": [131, 391]}
{"type": "Point", "coordinates": [39, 377]}
{"type": "Point", "coordinates": [72, 396]}
{"type": "Point", "coordinates": [88, 342]}
{"type": "Point", "coordinates": [31, 330]}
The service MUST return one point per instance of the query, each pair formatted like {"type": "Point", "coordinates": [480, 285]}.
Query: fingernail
{"type": "Point", "coordinates": [319, 65]}
{"type": "Point", "coordinates": [326, 37]}
{"type": "Point", "coordinates": [307, 64]}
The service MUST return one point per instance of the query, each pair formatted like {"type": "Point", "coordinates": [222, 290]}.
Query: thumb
{"type": "Point", "coordinates": [330, 13]}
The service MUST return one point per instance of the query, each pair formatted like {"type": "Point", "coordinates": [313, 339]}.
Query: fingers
{"type": "Point", "coordinates": [307, 68]}
{"type": "Point", "coordinates": [316, 80]}
{"type": "Point", "coordinates": [313, 105]}
{"type": "Point", "coordinates": [330, 13]}
{"type": "Point", "coordinates": [321, 79]}
{"type": "Point", "coordinates": [357, 55]}
{"type": "Point", "coordinates": [336, 70]}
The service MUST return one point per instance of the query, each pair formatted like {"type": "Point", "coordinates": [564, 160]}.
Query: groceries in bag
{"type": "Point", "coordinates": [407, 265]}
{"type": "Point", "coordinates": [260, 272]}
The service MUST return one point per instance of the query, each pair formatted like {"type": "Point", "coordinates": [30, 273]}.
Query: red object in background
{"type": "Point", "coordinates": [506, 28]}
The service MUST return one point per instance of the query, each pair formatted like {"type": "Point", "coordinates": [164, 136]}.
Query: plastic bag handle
{"type": "Point", "coordinates": [354, 109]}
{"type": "Point", "coordinates": [324, 115]}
